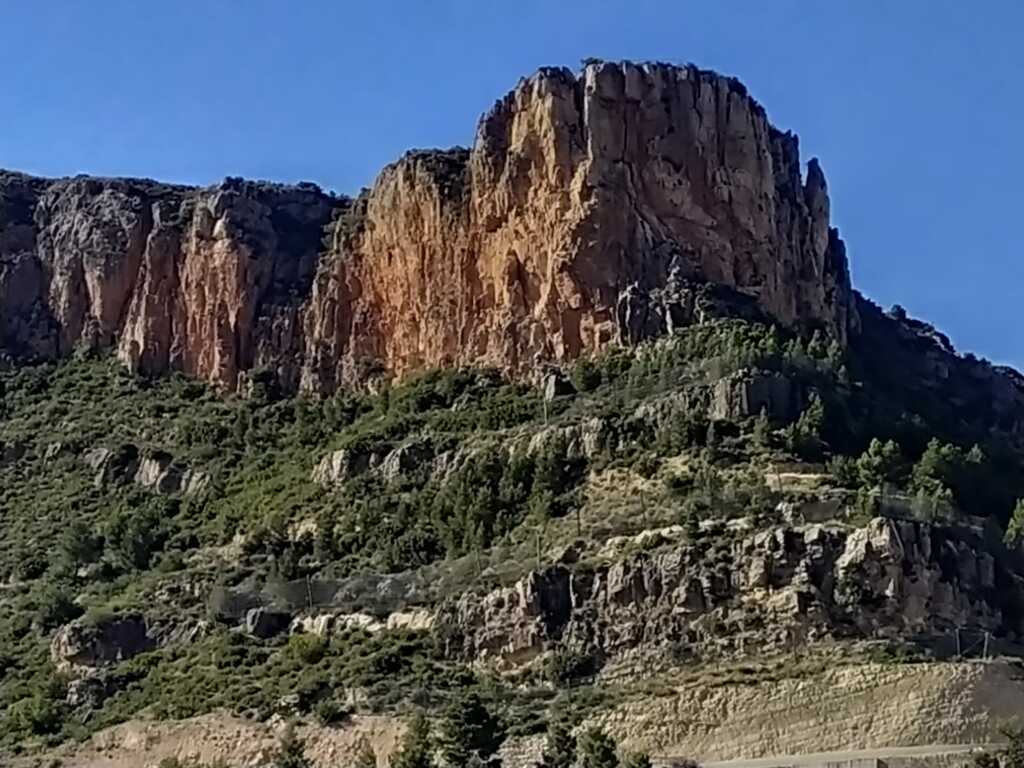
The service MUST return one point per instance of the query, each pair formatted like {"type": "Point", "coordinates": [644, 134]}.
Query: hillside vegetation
{"type": "Point", "coordinates": [122, 496]}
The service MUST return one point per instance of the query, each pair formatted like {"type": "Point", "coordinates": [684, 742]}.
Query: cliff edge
{"type": "Point", "coordinates": [586, 211]}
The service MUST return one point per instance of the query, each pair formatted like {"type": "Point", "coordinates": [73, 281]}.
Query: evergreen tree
{"type": "Point", "coordinates": [844, 471]}
{"type": "Point", "coordinates": [78, 546]}
{"type": "Point", "coordinates": [560, 746]}
{"type": "Point", "coordinates": [835, 355]}
{"type": "Point", "coordinates": [1015, 528]}
{"type": "Point", "coordinates": [880, 463]}
{"type": "Point", "coordinates": [805, 436]}
{"type": "Point", "coordinates": [940, 465]}
{"type": "Point", "coordinates": [772, 345]}
{"type": "Point", "coordinates": [416, 746]}
{"type": "Point", "coordinates": [469, 729]}
{"type": "Point", "coordinates": [817, 347]}
{"type": "Point", "coordinates": [596, 749]}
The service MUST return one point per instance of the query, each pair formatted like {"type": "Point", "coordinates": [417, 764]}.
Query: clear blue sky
{"type": "Point", "coordinates": [915, 107]}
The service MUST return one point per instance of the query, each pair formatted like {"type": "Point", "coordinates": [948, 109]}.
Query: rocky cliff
{"type": "Point", "coordinates": [588, 207]}
{"type": "Point", "coordinates": [775, 589]}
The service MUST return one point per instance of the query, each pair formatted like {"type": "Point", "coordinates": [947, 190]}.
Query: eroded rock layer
{"type": "Point", "coordinates": [587, 207]}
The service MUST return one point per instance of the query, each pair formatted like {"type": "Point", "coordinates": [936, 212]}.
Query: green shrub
{"type": "Point", "coordinates": [36, 716]}
{"type": "Point", "coordinates": [55, 605]}
{"type": "Point", "coordinates": [331, 712]}
{"type": "Point", "coordinates": [564, 666]}
{"type": "Point", "coordinates": [596, 749]}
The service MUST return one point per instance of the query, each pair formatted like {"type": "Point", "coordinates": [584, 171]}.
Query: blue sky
{"type": "Point", "coordinates": [915, 107]}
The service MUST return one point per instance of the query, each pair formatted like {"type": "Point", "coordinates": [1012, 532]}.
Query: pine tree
{"type": "Point", "coordinates": [835, 355]}
{"type": "Point", "coordinates": [772, 345]}
{"type": "Point", "coordinates": [817, 348]}
{"type": "Point", "coordinates": [469, 729]}
{"type": "Point", "coordinates": [596, 749]}
{"type": "Point", "coordinates": [1015, 528]}
{"type": "Point", "coordinates": [415, 749]}
{"type": "Point", "coordinates": [560, 747]}
{"type": "Point", "coordinates": [812, 420]}
{"type": "Point", "coordinates": [880, 463]}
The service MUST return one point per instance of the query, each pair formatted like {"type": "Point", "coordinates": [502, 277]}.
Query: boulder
{"type": "Point", "coordinates": [87, 645]}
{"type": "Point", "coordinates": [90, 692]}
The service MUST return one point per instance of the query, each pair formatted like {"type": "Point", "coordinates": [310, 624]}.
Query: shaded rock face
{"type": "Point", "coordinates": [971, 398]}
{"type": "Point", "coordinates": [205, 281]}
{"type": "Point", "coordinates": [81, 647]}
{"type": "Point", "coordinates": [586, 209]}
{"type": "Point", "coordinates": [266, 623]}
{"type": "Point", "coordinates": [769, 589]}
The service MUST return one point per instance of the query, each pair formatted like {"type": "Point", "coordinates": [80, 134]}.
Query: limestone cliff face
{"type": "Point", "coordinates": [770, 589]}
{"type": "Point", "coordinates": [586, 207]}
{"type": "Point", "coordinates": [206, 281]}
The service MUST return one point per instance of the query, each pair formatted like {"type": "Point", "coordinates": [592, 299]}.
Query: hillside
{"type": "Point", "coordinates": [586, 422]}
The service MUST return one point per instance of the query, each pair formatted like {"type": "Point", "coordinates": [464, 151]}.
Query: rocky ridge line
{"type": "Point", "coordinates": [586, 208]}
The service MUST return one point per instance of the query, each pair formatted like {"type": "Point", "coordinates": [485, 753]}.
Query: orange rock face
{"type": "Point", "coordinates": [586, 211]}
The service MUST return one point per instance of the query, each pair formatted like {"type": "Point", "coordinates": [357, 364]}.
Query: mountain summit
{"type": "Point", "coordinates": [589, 212]}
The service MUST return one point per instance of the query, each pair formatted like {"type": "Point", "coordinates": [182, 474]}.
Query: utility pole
{"type": "Point", "coordinates": [958, 642]}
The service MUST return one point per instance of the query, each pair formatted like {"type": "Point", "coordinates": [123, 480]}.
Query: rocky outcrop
{"type": "Point", "coordinates": [747, 393]}
{"type": "Point", "coordinates": [84, 646]}
{"type": "Point", "coordinates": [774, 588]}
{"type": "Point", "coordinates": [155, 471]}
{"type": "Point", "coordinates": [590, 210]}
{"type": "Point", "coordinates": [339, 466]}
